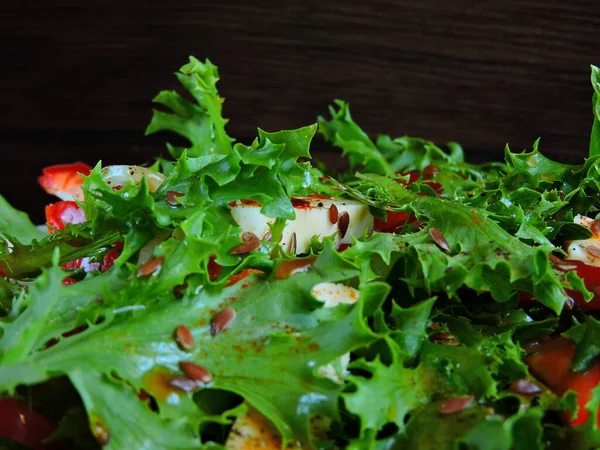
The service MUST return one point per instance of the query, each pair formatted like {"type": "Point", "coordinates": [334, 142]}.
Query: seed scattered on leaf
{"type": "Point", "coordinates": [195, 372]}
{"type": "Point", "coordinates": [222, 321]}
{"type": "Point", "coordinates": [455, 404]}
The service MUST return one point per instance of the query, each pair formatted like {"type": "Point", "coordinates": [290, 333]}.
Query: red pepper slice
{"type": "Point", "coordinates": [64, 180]}
{"type": "Point", "coordinates": [397, 220]}
{"type": "Point", "coordinates": [109, 258]}
{"type": "Point", "coordinates": [591, 278]}
{"type": "Point", "coordinates": [59, 214]}
{"type": "Point", "coordinates": [551, 363]}
{"type": "Point", "coordinates": [394, 223]}
{"type": "Point", "coordinates": [24, 425]}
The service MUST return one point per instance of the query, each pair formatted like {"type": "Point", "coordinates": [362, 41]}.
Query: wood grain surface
{"type": "Point", "coordinates": [77, 81]}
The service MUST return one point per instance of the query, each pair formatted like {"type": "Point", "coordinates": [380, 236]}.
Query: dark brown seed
{"type": "Point", "coordinates": [456, 404]}
{"type": "Point", "coordinates": [525, 387]}
{"type": "Point", "coordinates": [183, 383]}
{"type": "Point", "coordinates": [293, 243]}
{"type": "Point", "coordinates": [251, 242]}
{"type": "Point", "coordinates": [343, 223]}
{"type": "Point", "coordinates": [439, 239]}
{"type": "Point", "coordinates": [443, 335]}
{"type": "Point", "coordinates": [445, 338]}
{"type": "Point", "coordinates": [434, 325]}
{"type": "Point", "coordinates": [248, 237]}
{"type": "Point", "coordinates": [555, 259]}
{"type": "Point", "coordinates": [222, 321]}
{"type": "Point", "coordinates": [195, 372]}
{"type": "Point", "coordinates": [333, 214]}
{"type": "Point", "coordinates": [172, 198]}
{"type": "Point", "coordinates": [418, 224]}
{"type": "Point", "coordinates": [184, 338]}
{"type": "Point", "coordinates": [151, 267]}
{"type": "Point", "coordinates": [179, 290]}
{"type": "Point", "coordinates": [100, 433]}
{"type": "Point", "coordinates": [596, 227]}
{"type": "Point", "coordinates": [594, 251]}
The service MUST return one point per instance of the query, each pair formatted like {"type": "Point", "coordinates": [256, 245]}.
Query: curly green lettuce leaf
{"type": "Point", "coordinates": [270, 162]}
{"type": "Point", "coordinates": [386, 156]}
{"type": "Point", "coordinates": [23, 261]}
{"type": "Point", "coordinates": [21, 336]}
{"type": "Point", "coordinates": [393, 157]}
{"type": "Point", "coordinates": [118, 419]}
{"type": "Point", "coordinates": [409, 396]}
{"type": "Point", "coordinates": [343, 132]}
{"type": "Point", "coordinates": [269, 356]}
{"type": "Point", "coordinates": [51, 308]}
{"type": "Point", "coordinates": [410, 326]}
{"type": "Point", "coordinates": [17, 224]}
{"type": "Point", "coordinates": [398, 391]}
{"type": "Point", "coordinates": [586, 336]}
{"type": "Point", "coordinates": [201, 123]}
{"type": "Point", "coordinates": [533, 169]}
{"type": "Point", "coordinates": [483, 256]}
{"type": "Point", "coordinates": [472, 429]}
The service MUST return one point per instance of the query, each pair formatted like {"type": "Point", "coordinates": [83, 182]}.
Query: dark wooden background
{"type": "Point", "coordinates": [78, 77]}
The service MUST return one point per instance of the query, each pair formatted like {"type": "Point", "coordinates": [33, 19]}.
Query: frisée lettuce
{"type": "Point", "coordinates": [181, 324]}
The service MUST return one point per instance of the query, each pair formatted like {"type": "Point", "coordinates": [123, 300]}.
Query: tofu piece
{"type": "Point", "coordinates": [332, 294]}
{"type": "Point", "coordinates": [314, 217]}
{"type": "Point", "coordinates": [585, 250]}
{"type": "Point", "coordinates": [254, 432]}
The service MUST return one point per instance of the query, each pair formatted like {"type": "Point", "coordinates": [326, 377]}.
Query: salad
{"type": "Point", "coordinates": [235, 295]}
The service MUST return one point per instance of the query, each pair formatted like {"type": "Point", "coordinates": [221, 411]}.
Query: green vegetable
{"type": "Point", "coordinates": [17, 224]}
{"type": "Point", "coordinates": [432, 314]}
{"type": "Point", "coordinates": [586, 336]}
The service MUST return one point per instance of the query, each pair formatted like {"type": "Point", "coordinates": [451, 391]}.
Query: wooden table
{"type": "Point", "coordinates": [77, 81]}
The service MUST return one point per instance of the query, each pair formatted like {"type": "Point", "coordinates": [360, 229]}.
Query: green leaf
{"type": "Point", "coordinates": [375, 255]}
{"type": "Point", "coordinates": [410, 326]}
{"type": "Point", "coordinates": [17, 224]}
{"type": "Point", "coordinates": [587, 339]}
{"type": "Point", "coordinates": [398, 390]}
{"type": "Point", "coordinates": [202, 123]}
{"type": "Point", "coordinates": [74, 242]}
{"type": "Point", "coordinates": [275, 327]}
{"type": "Point", "coordinates": [483, 256]}
{"type": "Point", "coordinates": [534, 169]}
{"type": "Point", "coordinates": [118, 420]}
{"type": "Point", "coordinates": [343, 132]}
{"type": "Point", "coordinates": [297, 142]}
{"type": "Point", "coordinates": [21, 336]}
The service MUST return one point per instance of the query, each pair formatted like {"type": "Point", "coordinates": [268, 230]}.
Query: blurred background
{"type": "Point", "coordinates": [78, 77]}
